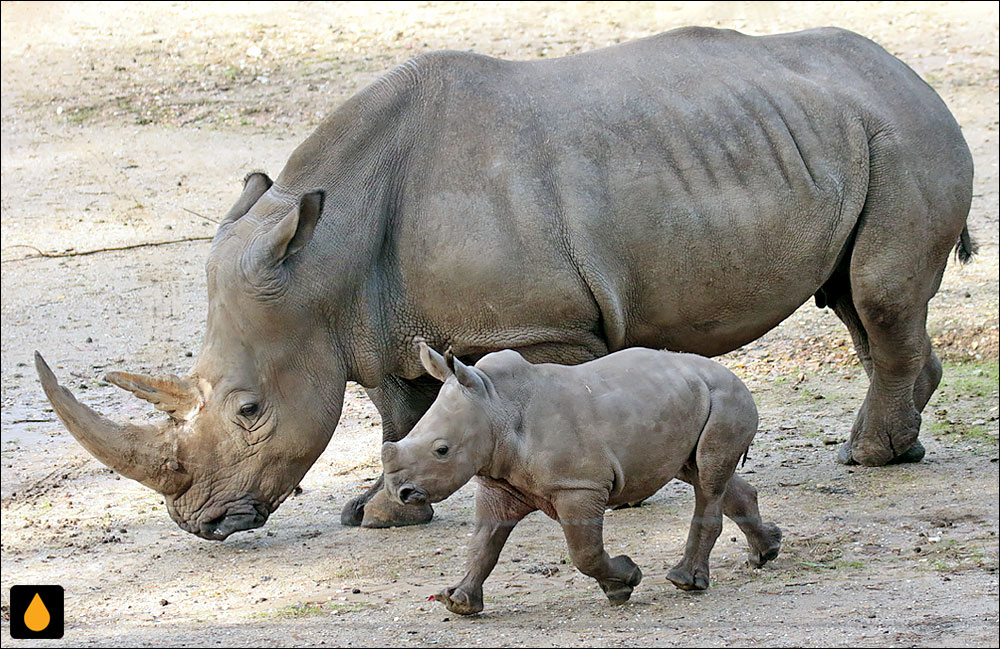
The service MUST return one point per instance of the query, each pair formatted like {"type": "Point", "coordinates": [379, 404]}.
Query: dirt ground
{"type": "Point", "coordinates": [134, 123]}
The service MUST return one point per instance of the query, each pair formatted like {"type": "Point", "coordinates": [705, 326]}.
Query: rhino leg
{"type": "Point", "coordinates": [913, 216]}
{"type": "Point", "coordinates": [739, 504]}
{"type": "Point", "coordinates": [401, 404]}
{"type": "Point", "coordinates": [581, 514]}
{"type": "Point", "coordinates": [692, 573]}
{"type": "Point", "coordinates": [924, 385]}
{"type": "Point", "coordinates": [497, 512]}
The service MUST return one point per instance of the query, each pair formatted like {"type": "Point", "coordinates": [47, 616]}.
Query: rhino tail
{"type": "Point", "coordinates": [966, 246]}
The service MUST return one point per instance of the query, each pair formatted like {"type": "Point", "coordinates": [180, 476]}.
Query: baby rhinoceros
{"type": "Point", "coordinates": [574, 440]}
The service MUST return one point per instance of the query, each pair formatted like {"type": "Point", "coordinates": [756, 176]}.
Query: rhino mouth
{"type": "Point", "coordinates": [236, 518]}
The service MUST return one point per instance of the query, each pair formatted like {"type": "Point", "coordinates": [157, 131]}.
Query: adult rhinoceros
{"type": "Point", "coordinates": [685, 191]}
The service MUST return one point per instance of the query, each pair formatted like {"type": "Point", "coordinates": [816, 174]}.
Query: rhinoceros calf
{"type": "Point", "coordinates": [574, 440]}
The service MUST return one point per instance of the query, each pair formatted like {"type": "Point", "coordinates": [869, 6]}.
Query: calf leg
{"type": "Point", "coordinates": [401, 404]}
{"type": "Point", "coordinates": [497, 512]}
{"type": "Point", "coordinates": [692, 572]}
{"type": "Point", "coordinates": [739, 504]}
{"type": "Point", "coordinates": [581, 514]}
{"type": "Point", "coordinates": [731, 425]}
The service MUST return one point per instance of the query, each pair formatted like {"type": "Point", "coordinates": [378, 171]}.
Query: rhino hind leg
{"type": "Point", "coordinates": [903, 373]}
{"type": "Point", "coordinates": [924, 385]}
{"type": "Point", "coordinates": [914, 213]}
{"type": "Point", "coordinates": [692, 573]}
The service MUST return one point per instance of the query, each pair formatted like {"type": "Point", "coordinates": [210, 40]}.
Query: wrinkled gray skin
{"type": "Point", "coordinates": [574, 440]}
{"type": "Point", "coordinates": [685, 191]}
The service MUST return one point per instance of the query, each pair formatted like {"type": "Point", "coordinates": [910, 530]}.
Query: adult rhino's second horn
{"type": "Point", "coordinates": [145, 453]}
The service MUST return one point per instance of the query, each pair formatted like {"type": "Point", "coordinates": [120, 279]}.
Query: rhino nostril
{"type": "Point", "coordinates": [412, 495]}
{"type": "Point", "coordinates": [215, 522]}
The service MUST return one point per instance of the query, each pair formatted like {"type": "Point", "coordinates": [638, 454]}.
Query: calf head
{"type": "Point", "coordinates": [452, 442]}
{"type": "Point", "coordinates": [264, 395]}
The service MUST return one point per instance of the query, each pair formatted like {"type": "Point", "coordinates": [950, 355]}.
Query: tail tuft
{"type": "Point", "coordinates": [966, 247]}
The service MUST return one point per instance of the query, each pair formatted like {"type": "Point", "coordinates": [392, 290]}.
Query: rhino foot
{"type": "Point", "coordinates": [915, 453]}
{"type": "Point", "coordinates": [619, 591]}
{"type": "Point", "coordinates": [382, 511]}
{"type": "Point", "coordinates": [353, 512]}
{"type": "Point", "coordinates": [684, 578]}
{"type": "Point", "coordinates": [759, 556]}
{"type": "Point", "coordinates": [460, 601]}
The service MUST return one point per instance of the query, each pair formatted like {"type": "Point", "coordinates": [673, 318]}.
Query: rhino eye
{"type": "Point", "coordinates": [441, 451]}
{"type": "Point", "coordinates": [249, 409]}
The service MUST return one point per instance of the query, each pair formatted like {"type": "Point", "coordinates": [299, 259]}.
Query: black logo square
{"type": "Point", "coordinates": [36, 612]}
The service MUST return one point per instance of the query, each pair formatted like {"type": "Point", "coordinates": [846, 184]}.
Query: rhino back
{"type": "Point", "coordinates": [688, 190]}
{"type": "Point", "coordinates": [638, 413]}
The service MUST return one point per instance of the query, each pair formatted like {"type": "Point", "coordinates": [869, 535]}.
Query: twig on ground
{"type": "Point", "coordinates": [200, 216]}
{"type": "Point", "coordinates": [39, 254]}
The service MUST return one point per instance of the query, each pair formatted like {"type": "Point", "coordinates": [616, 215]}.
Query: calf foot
{"type": "Point", "coordinates": [620, 590]}
{"type": "Point", "coordinates": [686, 579]}
{"type": "Point", "coordinates": [769, 547]}
{"type": "Point", "coordinates": [460, 601]}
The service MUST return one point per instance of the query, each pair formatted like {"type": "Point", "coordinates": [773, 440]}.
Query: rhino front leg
{"type": "Point", "coordinates": [581, 514]}
{"type": "Point", "coordinates": [400, 403]}
{"type": "Point", "coordinates": [498, 510]}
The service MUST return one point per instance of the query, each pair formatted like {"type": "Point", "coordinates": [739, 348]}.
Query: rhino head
{"type": "Point", "coordinates": [451, 443]}
{"type": "Point", "coordinates": [265, 393]}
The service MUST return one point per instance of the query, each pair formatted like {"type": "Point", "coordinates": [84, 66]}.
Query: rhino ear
{"type": "Point", "coordinates": [469, 377]}
{"type": "Point", "coordinates": [293, 232]}
{"type": "Point", "coordinates": [255, 185]}
{"type": "Point", "coordinates": [433, 362]}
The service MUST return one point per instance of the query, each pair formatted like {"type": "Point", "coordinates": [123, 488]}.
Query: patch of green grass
{"type": "Point", "coordinates": [974, 379]}
{"type": "Point", "coordinates": [309, 609]}
{"type": "Point", "coordinates": [832, 565]}
{"type": "Point", "coordinates": [960, 429]}
{"type": "Point", "coordinates": [81, 115]}
{"type": "Point", "coordinates": [958, 409]}
{"type": "Point", "coordinates": [952, 556]}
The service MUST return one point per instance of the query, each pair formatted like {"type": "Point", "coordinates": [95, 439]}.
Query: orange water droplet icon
{"type": "Point", "coordinates": [36, 617]}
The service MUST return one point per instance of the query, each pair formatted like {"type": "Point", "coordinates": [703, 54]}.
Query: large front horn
{"type": "Point", "coordinates": [146, 454]}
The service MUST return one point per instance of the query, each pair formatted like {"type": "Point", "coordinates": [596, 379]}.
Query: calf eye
{"type": "Point", "coordinates": [249, 409]}
{"type": "Point", "coordinates": [441, 451]}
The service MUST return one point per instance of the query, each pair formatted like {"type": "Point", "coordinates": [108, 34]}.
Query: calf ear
{"type": "Point", "coordinates": [293, 232]}
{"type": "Point", "coordinates": [255, 185]}
{"type": "Point", "coordinates": [433, 362]}
{"type": "Point", "coordinates": [469, 377]}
